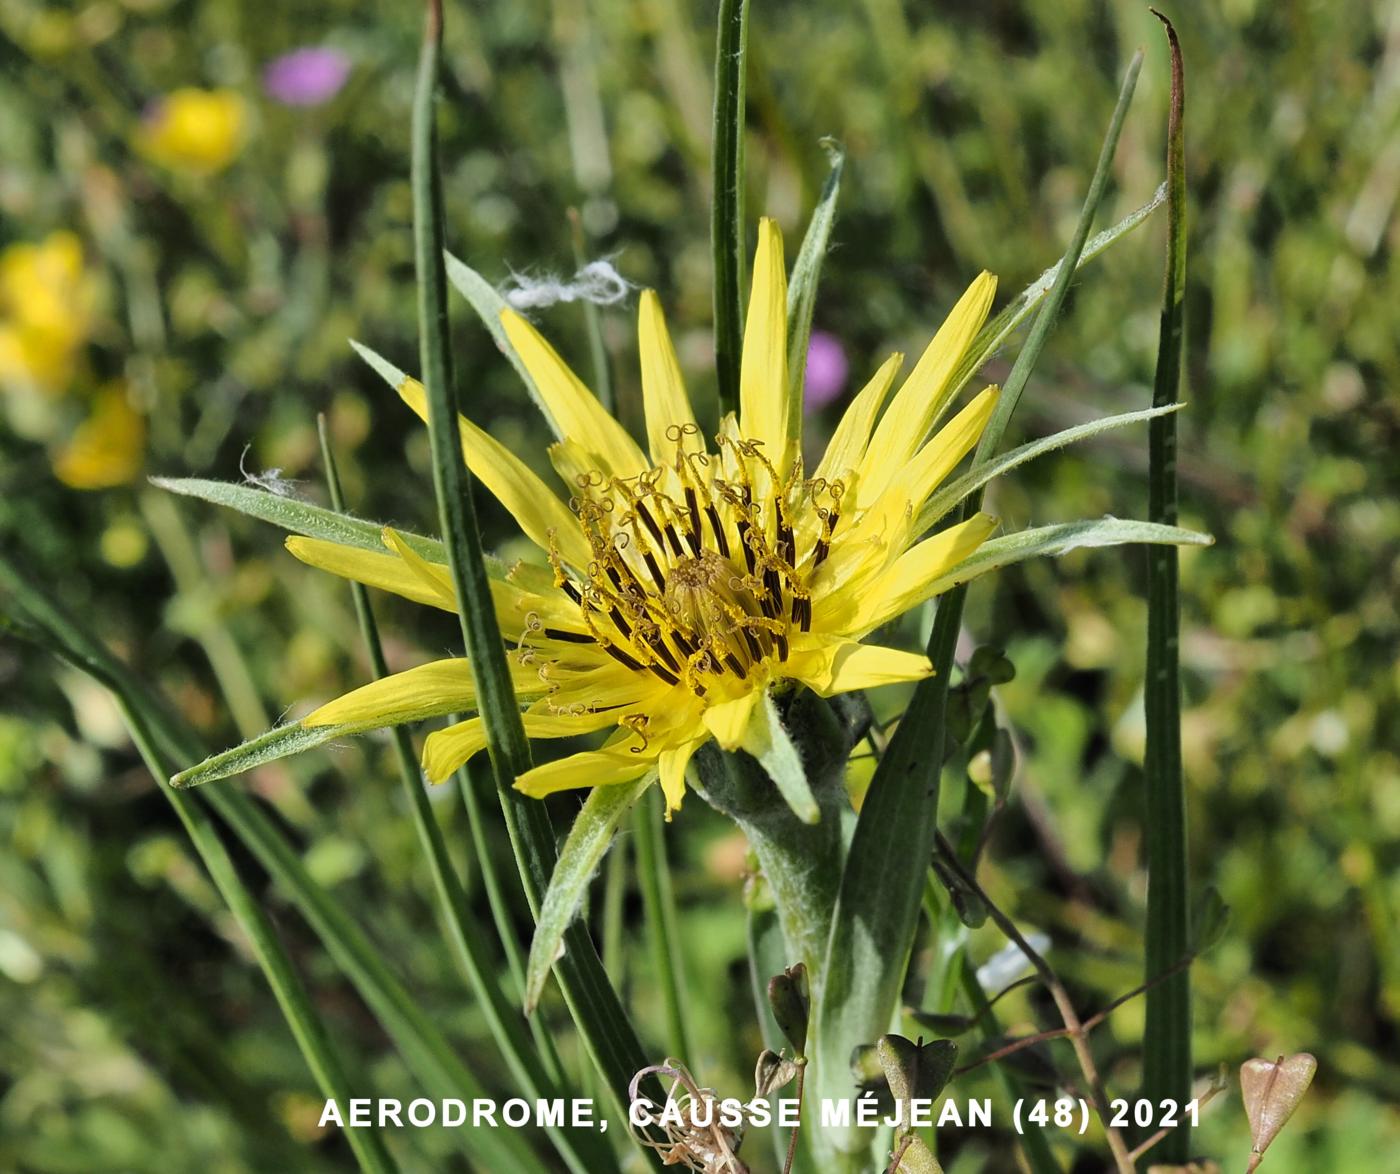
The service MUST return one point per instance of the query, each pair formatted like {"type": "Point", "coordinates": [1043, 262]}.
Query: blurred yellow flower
{"type": "Point", "coordinates": [108, 447]}
{"type": "Point", "coordinates": [199, 131]}
{"type": "Point", "coordinates": [46, 303]}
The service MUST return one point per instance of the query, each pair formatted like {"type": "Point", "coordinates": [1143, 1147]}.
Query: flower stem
{"type": "Point", "coordinates": [1167, 1032]}
{"type": "Point", "coordinates": [727, 215]}
{"type": "Point", "coordinates": [608, 1035]}
{"type": "Point", "coordinates": [659, 904]}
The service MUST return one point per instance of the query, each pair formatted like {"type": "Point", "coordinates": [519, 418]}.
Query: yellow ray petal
{"type": "Point", "coordinates": [592, 768]}
{"type": "Point", "coordinates": [529, 500]}
{"type": "Point", "coordinates": [841, 666]}
{"type": "Point", "coordinates": [434, 575]}
{"type": "Point", "coordinates": [920, 402]}
{"type": "Point", "coordinates": [853, 432]}
{"type": "Point", "coordinates": [663, 389]}
{"type": "Point", "coordinates": [763, 385]}
{"type": "Point", "coordinates": [385, 571]}
{"type": "Point", "coordinates": [672, 764]}
{"type": "Point", "coordinates": [430, 690]}
{"type": "Point", "coordinates": [729, 720]}
{"type": "Point", "coordinates": [895, 512]}
{"type": "Point", "coordinates": [575, 409]}
{"type": "Point", "coordinates": [906, 584]}
{"type": "Point", "coordinates": [446, 749]}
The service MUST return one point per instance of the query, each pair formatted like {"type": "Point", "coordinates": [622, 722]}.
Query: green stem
{"type": "Point", "coordinates": [1039, 1156]}
{"type": "Point", "coordinates": [467, 936]}
{"type": "Point", "coordinates": [608, 1035]}
{"type": "Point", "coordinates": [727, 214]}
{"type": "Point", "coordinates": [1167, 1033]}
{"type": "Point", "coordinates": [658, 902]}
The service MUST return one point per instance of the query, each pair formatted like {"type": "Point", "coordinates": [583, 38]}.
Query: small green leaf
{"type": "Point", "coordinates": [979, 475]}
{"type": "Point", "coordinates": [769, 742]}
{"type": "Point", "coordinates": [917, 1158]}
{"type": "Point", "coordinates": [1062, 538]}
{"type": "Point", "coordinates": [488, 304]}
{"type": "Point", "coordinates": [791, 1004]}
{"type": "Point", "coordinates": [281, 742]}
{"type": "Point", "coordinates": [916, 1071]}
{"type": "Point", "coordinates": [802, 285]}
{"type": "Point", "coordinates": [588, 842]}
{"type": "Point", "coordinates": [1209, 921]}
{"type": "Point", "coordinates": [299, 517]}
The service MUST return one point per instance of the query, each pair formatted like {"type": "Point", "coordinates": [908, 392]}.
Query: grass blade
{"type": "Point", "coordinates": [311, 1036]}
{"type": "Point", "coordinates": [465, 934]}
{"type": "Point", "coordinates": [1167, 1033]}
{"type": "Point", "coordinates": [659, 906]}
{"type": "Point", "coordinates": [608, 1035]}
{"type": "Point", "coordinates": [802, 286]}
{"type": "Point", "coordinates": [877, 908]}
{"type": "Point", "coordinates": [727, 211]}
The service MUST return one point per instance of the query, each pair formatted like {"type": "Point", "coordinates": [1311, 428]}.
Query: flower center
{"type": "Point", "coordinates": [696, 575]}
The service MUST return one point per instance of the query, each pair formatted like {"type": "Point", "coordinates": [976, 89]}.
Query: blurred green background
{"type": "Point", "coordinates": [186, 244]}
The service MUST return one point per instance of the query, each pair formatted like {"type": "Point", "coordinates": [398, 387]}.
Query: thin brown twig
{"type": "Point", "coordinates": [1214, 1091]}
{"type": "Point", "coordinates": [1088, 1025]}
{"type": "Point", "coordinates": [1074, 1028]}
{"type": "Point", "coordinates": [801, 1063]}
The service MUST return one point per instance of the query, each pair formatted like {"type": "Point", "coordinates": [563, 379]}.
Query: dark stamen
{"type": "Point", "coordinates": [721, 539]}
{"type": "Point", "coordinates": [569, 637]}
{"type": "Point", "coordinates": [622, 658]}
{"type": "Point", "coordinates": [692, 535]}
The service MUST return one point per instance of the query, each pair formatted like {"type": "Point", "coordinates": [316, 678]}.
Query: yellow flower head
{"type": "Point", "coordinates": [198, 131]}
{"type": "Point", "coordinates": [46, 306]}
{"type": "Point", "coordinates": [108, 447]}
{"type": "Point", "coordinates": [686, 582]}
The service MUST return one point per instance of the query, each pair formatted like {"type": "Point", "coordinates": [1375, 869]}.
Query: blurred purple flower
{"type": "Point", "coordinates": [306, 77]}
{"type": "Point", "coordinates": [826, 371]}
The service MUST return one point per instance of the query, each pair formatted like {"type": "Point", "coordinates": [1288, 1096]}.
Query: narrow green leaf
{"type": "Point", "coordinates": [663, 930]}
{"type": "Point", "coordinates": [995, 332]}
{"type": "Point", "coordinates": [1166, 1039]}
{"type": "Point", "coordinates": [280, 742]}
{"type": "Point", "coordinates": [727, 214]}
{"type": "Point", "coordinates": [979, 475]}
{"type": "Point", "coordinates": [298, 517]}
{"type": "Point", "coordinates": [481, 295]}
{"type": "Point", "coordinates": [877, 908]}
{"type": "Point", "coordinates": [587, 843]}
{"type": "Point", "coordinates": [802, 285]}
{"type": "Point", "coordinates": [1060, 539]}
{"type": "Point", "coordinates": [607, 1033]}
{"type": "Point", "coordinates": [770, 743]}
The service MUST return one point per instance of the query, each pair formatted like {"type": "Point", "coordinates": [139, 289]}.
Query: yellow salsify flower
{"type": "Point", "coordinates": [684, 585]}
{"type": "Point", "coordinates": [46, 305]}
{"type": "Point", "coordinates": [194, 130]}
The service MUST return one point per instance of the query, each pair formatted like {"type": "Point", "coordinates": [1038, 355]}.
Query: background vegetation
{"type": "Point", "coordinates": [196, 321]}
